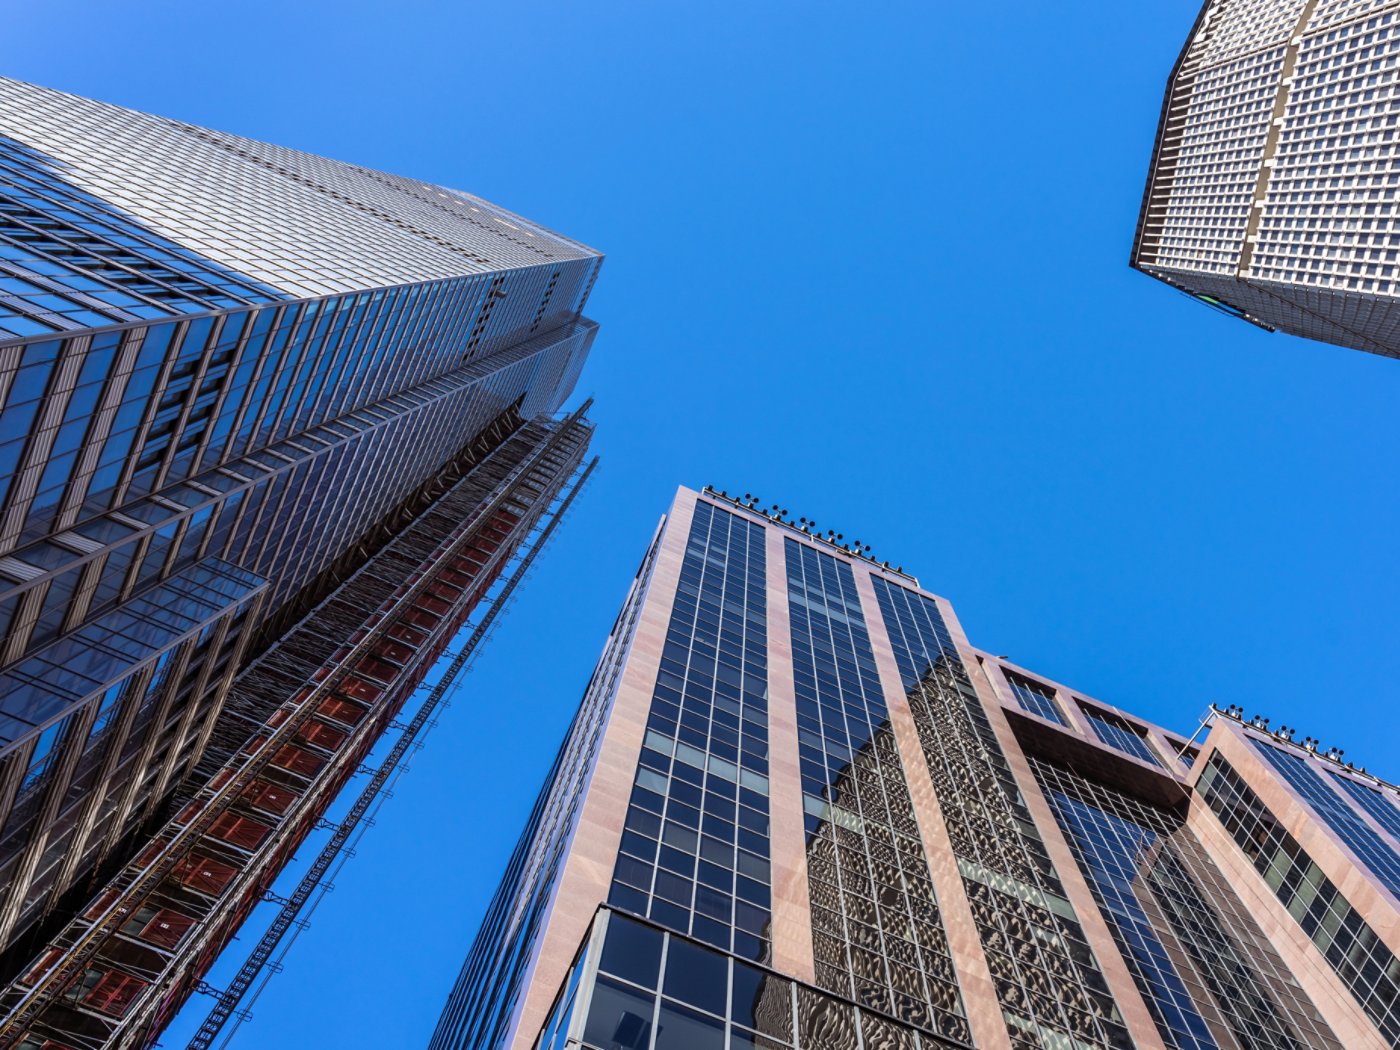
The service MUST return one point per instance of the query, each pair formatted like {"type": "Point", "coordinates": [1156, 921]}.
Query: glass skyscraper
{"type": "Point", "coordinates": [271, 427]}
{"type": "Point", "coordinates": [1272, 189]}
{"type": "Point", "coordinates": [798, 809]}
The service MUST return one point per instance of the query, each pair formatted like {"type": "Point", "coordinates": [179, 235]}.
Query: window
{"type": "Point", "coordinates": [1035, 697]}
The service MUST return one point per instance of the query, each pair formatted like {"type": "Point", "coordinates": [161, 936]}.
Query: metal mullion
{"type": "Point", "coordinates": [319, 376]}
{"type": "Point", "coordinates": [375, 345]}
{"type": "Point", "coordinates": [134, 687]}
{"type": "Point", "coordinates": [56, 778]}
{"type": "Point", "coordinates": [197, 694]}
{"type": "Point", "coordinates": [391, 380]}
{"type": "Point", "coordinates": [114, 387]}
{"type": "Point", "coordinates": [255, 493]}
{"type": "Point", "coordinates": [357, 391]}
{"type": "Point", "coordinates": [22, 624]}
{"type": "Point", "coordinates": [205, 353]}
{"type": "Point", "coordinates": [143, 429]}
{"type": "Point", "coordinates": [174, 672]}
{"type": "Point", "coordinates": [592, 954]}
{"type": "Point", "coordinates": [448, 298]}
{"type": "Point", "coordinates": [42, 435]}
{"type": "Point", "coordinates": [446, 323]}
{"type": "Point", "coordinates": [12, 771]}
{"type": "Point", "coordinates": [306, 364]}
{"type": "Point", "coordinates": [291, 351]}
{"type": "Point", "coordinates": [321, 409]}
{"type": "Point", "coordinates": [220, 692]}
{"type": "Point", "coordinates": [266, 360]}
{"type": "Point", "coordinates": [420, 313]}
{"type": "Point", "coordinates": [411, 323]}
{"type": "Point", "coordinates": [288, 537]}
{"type": "Point", "coordinates": [11, 357]}
{"type": "Point", "coordinates": [90, 576]}
{"type": "Point", "coordinates": [58, 236]}
{"type": "Point", "coordinates": [67, 201]}
{"type": "Point", "coordinates": [225, 389]}
{"type": "Point", "coordinates": [289, 480]}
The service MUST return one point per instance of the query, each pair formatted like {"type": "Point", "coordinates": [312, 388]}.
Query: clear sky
{"type": "Point", "coordinates": [866, 260]}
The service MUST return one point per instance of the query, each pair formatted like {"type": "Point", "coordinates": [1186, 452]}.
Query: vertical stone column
{"type": "Point", "coordinates": [792, 912]}
{"type": "Point", "coordinates": [590, 856]}
{"type": "Point", "coordinates": [974, 978]}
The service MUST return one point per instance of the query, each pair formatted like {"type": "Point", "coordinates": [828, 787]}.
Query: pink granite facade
{"type": "Point", "coordinates": [890, 837]}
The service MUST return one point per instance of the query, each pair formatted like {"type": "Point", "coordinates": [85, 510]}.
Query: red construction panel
{"type": "Point", "coordinates": [270, 798]}
{"type": "Point", "coordinates": [243, 832]}
{"type": "Point", "coordinates": [322, 735]}
{"type": "Point", "coordinates": [204, 875]}
{"type": "Point", "coordinates": [298, 760]}
{"type": "Point", "coordinates": [166, 928]}
{"type": "Point", "coordinates": [111, 992]}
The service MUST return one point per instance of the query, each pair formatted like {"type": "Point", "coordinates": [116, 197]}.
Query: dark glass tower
{"type": "Point", "coordinates": [797, 809]}
{"type": "Point", "coordinates": [271, 426]}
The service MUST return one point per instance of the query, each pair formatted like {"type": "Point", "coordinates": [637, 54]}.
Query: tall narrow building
{"type": "Point", "coordinates": [797, 808]}
{"type": "Point", "coordinates": [271, 427]}
{"type": "Point", "coordinates": [1272, 190]}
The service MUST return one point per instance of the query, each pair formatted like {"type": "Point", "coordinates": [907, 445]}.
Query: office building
{"type": "Point", "coordinates": [1272, 190]}
{"type": "Point", "coordinates": [797, 808]}
{"type": "Point", "coordinates": [271, 427]}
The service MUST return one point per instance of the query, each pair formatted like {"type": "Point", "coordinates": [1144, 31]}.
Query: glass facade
{"type": "Point", "coordinates": [229, 373]}
{"type": "Point", "coordinates": [1048, 983]}
{"type": "Point", "coordinates": [1121, 734]}
{"type": "Point", "coordinates": [695, 853]}
{"type": "Point", "coordinates": [1208, 974]}
{"type": "Point", "coordinates": [1370, 848]}
{"type": "Point", "coordinates": [1365, 965]}
{"type": "Point", "coordinates": [1383, 808]}
{"type": "Point", "coordinates": [639, 987]}
{"type": "Point", "coordinates": [1078, 902]}
{"type": "Point", "coordinates": [1271, 193]}
{"type": "Point", "coordinates": [876, 931]}
{"type": "Point", "coordinates": [1035, 697]}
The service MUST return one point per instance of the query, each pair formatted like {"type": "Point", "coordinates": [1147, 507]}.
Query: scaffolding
{"type": "Point", "coordinates": [298, 724]}
{"type": "Point", "coordinates": [288, 916]}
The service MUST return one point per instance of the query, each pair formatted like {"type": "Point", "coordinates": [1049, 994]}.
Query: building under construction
{"type": "Point", "coordinates": [277, 435]}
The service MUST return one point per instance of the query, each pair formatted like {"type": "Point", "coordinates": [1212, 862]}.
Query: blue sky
{"type": "Point", "coordinates": [868, 263]}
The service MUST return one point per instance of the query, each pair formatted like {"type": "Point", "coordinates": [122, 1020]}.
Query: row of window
{"type": "Point", "coordinates": [876, 930]}
{"type": "Point", "coordinates": [1210, 977]}
{"type": "Point", "coordinates": [695, 855]}
{"type": "Point", "coordinates": [657, 991]}
{"type": "Point", "coordinates": [1047, 982]}
{"type": "Point", "coordinates": [1350, 945]}
{"type": "Point", "coordinates": [1118, 733]}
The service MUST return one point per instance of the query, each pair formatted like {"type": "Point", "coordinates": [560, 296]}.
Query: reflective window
{"type": "Point", "coordinates": [876, 930]}
{"type": "Point", "coordinates": [1207, 972]}
{"type": "Point", "coordinates": [1359, 957]}
{"type": "Point", "coordinates": [1035, 697]}
{"type": "Point", "coordinates": [1044, 972]}
{"type": "Point", "coordinates": [1372, 850]}
{"type": "Point", "coordinates": [695, 855]}
{"type": "Point", "coordinates": [1120, 734]}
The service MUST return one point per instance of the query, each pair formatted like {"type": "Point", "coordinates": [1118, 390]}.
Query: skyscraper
{"type": "Point", "coordinates": [797, 808]}
{"type": "Point", "coordinates": [271, 427]}
{"type": "Point", "coordinates": [1272, 189]}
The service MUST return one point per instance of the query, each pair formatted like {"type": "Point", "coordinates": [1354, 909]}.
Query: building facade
{"type": "Point", "coordinates": [1272, 189]}
{"type": "Point", "coordinates": [797, 808]}
{"type": "Point", "coordinates": [247, 394]}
